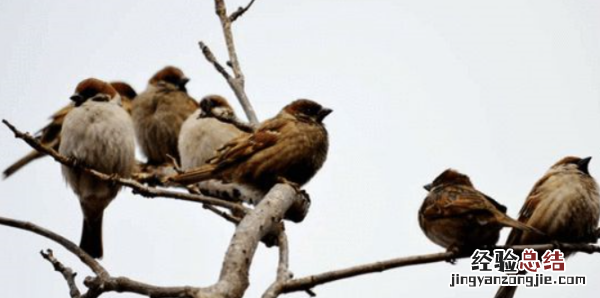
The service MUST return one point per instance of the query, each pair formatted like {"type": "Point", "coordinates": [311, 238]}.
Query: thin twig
{"type": "Point", "coordinates": [308, 282]}
{"type": "Point", "coordinates": [283, 266]}
{"type": "Point", "coordinates": [66, 272]}
{"type": "Point", "coordinates": [283, 273]}
{"type": "Point", "coordinates": [64, 242]}
{"type": "Point", "coordinates": [103, 282]}
{"type": "Point", "coordinates": [240, 11]}
{"type": "Point", "coordinates": [230, 218]}
{"type": "Point", "coordinates": [221, 11]}
{"type": "Point", "coordinates": [210, 57]}
{"type": "Point", "coordinates": [237, 81]}
{"type": "Point", "coordinates": [99, 286]}
{"type": "Point", "coordinates": [137, 187]}
{"type": "Point", "coordinates": [245, 127]}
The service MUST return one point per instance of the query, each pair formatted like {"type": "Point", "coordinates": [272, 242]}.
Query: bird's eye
{"type": "Point", "coordinates": [310, 111]}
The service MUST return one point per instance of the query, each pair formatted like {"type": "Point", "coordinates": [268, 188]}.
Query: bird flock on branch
{"type": "Point", "coordinates": [101, 126]}
{"type": "Point", "coordinates": [202, 141]}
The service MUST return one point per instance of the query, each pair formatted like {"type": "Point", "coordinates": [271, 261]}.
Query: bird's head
{"type": "Point", "coordinates": [94, 90]}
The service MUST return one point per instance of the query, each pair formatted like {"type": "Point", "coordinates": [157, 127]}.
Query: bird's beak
{"type": "Point", "coordinates": [184, 81]}
{"type": "Point", "coordinates": [323, 113]}
{"type": "Point", "coordinates": [427, 187]}
{"type": "Point", "coordinates": [77, 99]}
{"type": "Point", "coordinates": [583, 164]}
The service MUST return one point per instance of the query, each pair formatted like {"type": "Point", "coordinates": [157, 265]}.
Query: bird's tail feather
{"type": "Point", "coordinates": [518, 225]}
{"type": "Point", "coordinates": [506, 292]}
{"type": "Point", "coordinates": [91, 237]}
{"type": "Point", "coordinates": [31, 156]}
{"type": "Point", "coordinates": [195, 175]}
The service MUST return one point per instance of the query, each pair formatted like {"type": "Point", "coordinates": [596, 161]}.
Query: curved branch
{"type": "Point", "coordinates": [99, 286]}
{"type": "Point", "coordinates": [308, 282]}
{"type": "Point", "coordinates": [103, 282]}
{"type": "Point", "coordinates": [66, 272]}
{"type": "Point", "coordinates": [64, 242]}
{"type": "Point", "coordinates": [137, 187]}
{"type": "Point", "coordinates": [283, 273]}
{"type": "Point", "coordinates": [240, 11]}
{"type": "Point", "coordinates": [253, 227]}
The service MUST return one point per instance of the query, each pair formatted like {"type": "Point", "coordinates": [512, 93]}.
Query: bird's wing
{"type": "Point", "coordinates": [236, 151]}
{"type": "Point", "coordinates": [531, 203]}
{"type": "Point", "coordinates": [50, 134]}
{"type": "Point", "coordinates": [457, 201]}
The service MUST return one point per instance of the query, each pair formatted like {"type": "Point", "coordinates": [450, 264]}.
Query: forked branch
{"type": "Point", "coordinates": [237, 81]}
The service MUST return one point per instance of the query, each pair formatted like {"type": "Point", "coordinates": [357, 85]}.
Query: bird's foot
{"type": "Point", "coordinates": [456, 252]}
{"type": "Point", "coordinates": [294, 185]}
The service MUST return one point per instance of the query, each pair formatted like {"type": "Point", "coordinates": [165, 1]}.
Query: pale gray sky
{"type": "Point", "coordinates": [497, 90]}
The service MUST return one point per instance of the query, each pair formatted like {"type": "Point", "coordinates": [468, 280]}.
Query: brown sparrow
{"type": "Point", "coordinates": [292, 146]}
{"type": "Point", "coordinates": [201, 134]}
{"type": "Point", "coordinates": [564, 204]}
{"type": "Point", "coordinates": [49, 136]}
{"type": "Point", "coordinates": [460, 218]}
{"type": "Point", "coordinates": [127, 93]}
{"type": "Point", "coordinates": [99, 134]}
{"type": "Point", "coordinates": [159, 112]}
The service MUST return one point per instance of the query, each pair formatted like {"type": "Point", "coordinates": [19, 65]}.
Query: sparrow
{"type": "Point", "coordinates": [564, 204]}
{"type": "Point", "coordinates": [98, 134]}
{"type": "Point", "coordinates": [49, 136]}
{"type": "Point", "coordinates": [159, 112]}
{"type": "Point", "coordinates": [201, 134]}
{"type": "Point", "coordinates": [127, 94]}
{"type": "Point", "coordinates": [290, 147]}
{"type": "Point", "coordinates": [460, 218]}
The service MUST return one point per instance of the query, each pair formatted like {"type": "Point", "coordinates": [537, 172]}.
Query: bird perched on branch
{"type": "Point", "coordinates": [202, 134]}
{"type": "Point", "coordinates": [564, 204]}
{"type": "Point", "coordinates": [292, 146]}
{"type": "Point", "coordinates": [49, 136]}
{"type": "Point", "coordinates": [460, 218]}
{"type": "Point", "coordinates": [127, 93]}
{"type": "Point", "coordinates": [99, 134]}
{"type": "Point", "coordinates": [159, 112]}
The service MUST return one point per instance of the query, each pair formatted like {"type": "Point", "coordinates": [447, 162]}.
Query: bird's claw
{"type": "Point", "coordinates": [294, 185]}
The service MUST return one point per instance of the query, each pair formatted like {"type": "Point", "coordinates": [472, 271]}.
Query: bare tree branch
{"type": "Point", "coordinates": [66, 272]}
{"type": "Point", "coordinates": [237, 81]}
{"type": "Point", "coordinates": [99, 286]}
{"type": "Point", "coordinates": [137, 187]}
{"type": "Point", "coordinates": [283, 273]}
{"type": "Point", "coordinates": [210, 57]}
{"type": "Point", "coordinates": [283, 266]}
{"type": "Point", "coordinates": [64, 242]}
{"type": "Point", "coordinates": [308, 282]}
{"type": "Point", "coordinates": [245, 127]}
{"type": "Point", "coordinates": [240, 11]}
{"type": "Point", "coordinates": [230, 218]}
{"type": "Point", "coordinates": [253, 227]}
{"type": "Point", "coordinates": [221, 11]}
{"type": "Point", "coordinates": [234, 279]}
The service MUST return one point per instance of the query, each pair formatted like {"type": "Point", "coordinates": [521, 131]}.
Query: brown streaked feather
{"type": "Point", "coordinates": [456, 215]}
{"type": "Point", "coordinates": [245, 146]}
{"type": "Point", "coordinates": [288, 146]}
{"type": "Point", "coordinates": [49, 136]}
{"type": "Point", "coordinates": [453, 201]}
{"type": "Point", "coordinates": [23, 161]}
{"type": "Point", "coordinates": [234, 152]}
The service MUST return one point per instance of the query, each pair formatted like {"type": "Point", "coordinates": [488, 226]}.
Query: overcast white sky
{"type": "Point", "coordinates": [498, 90]}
